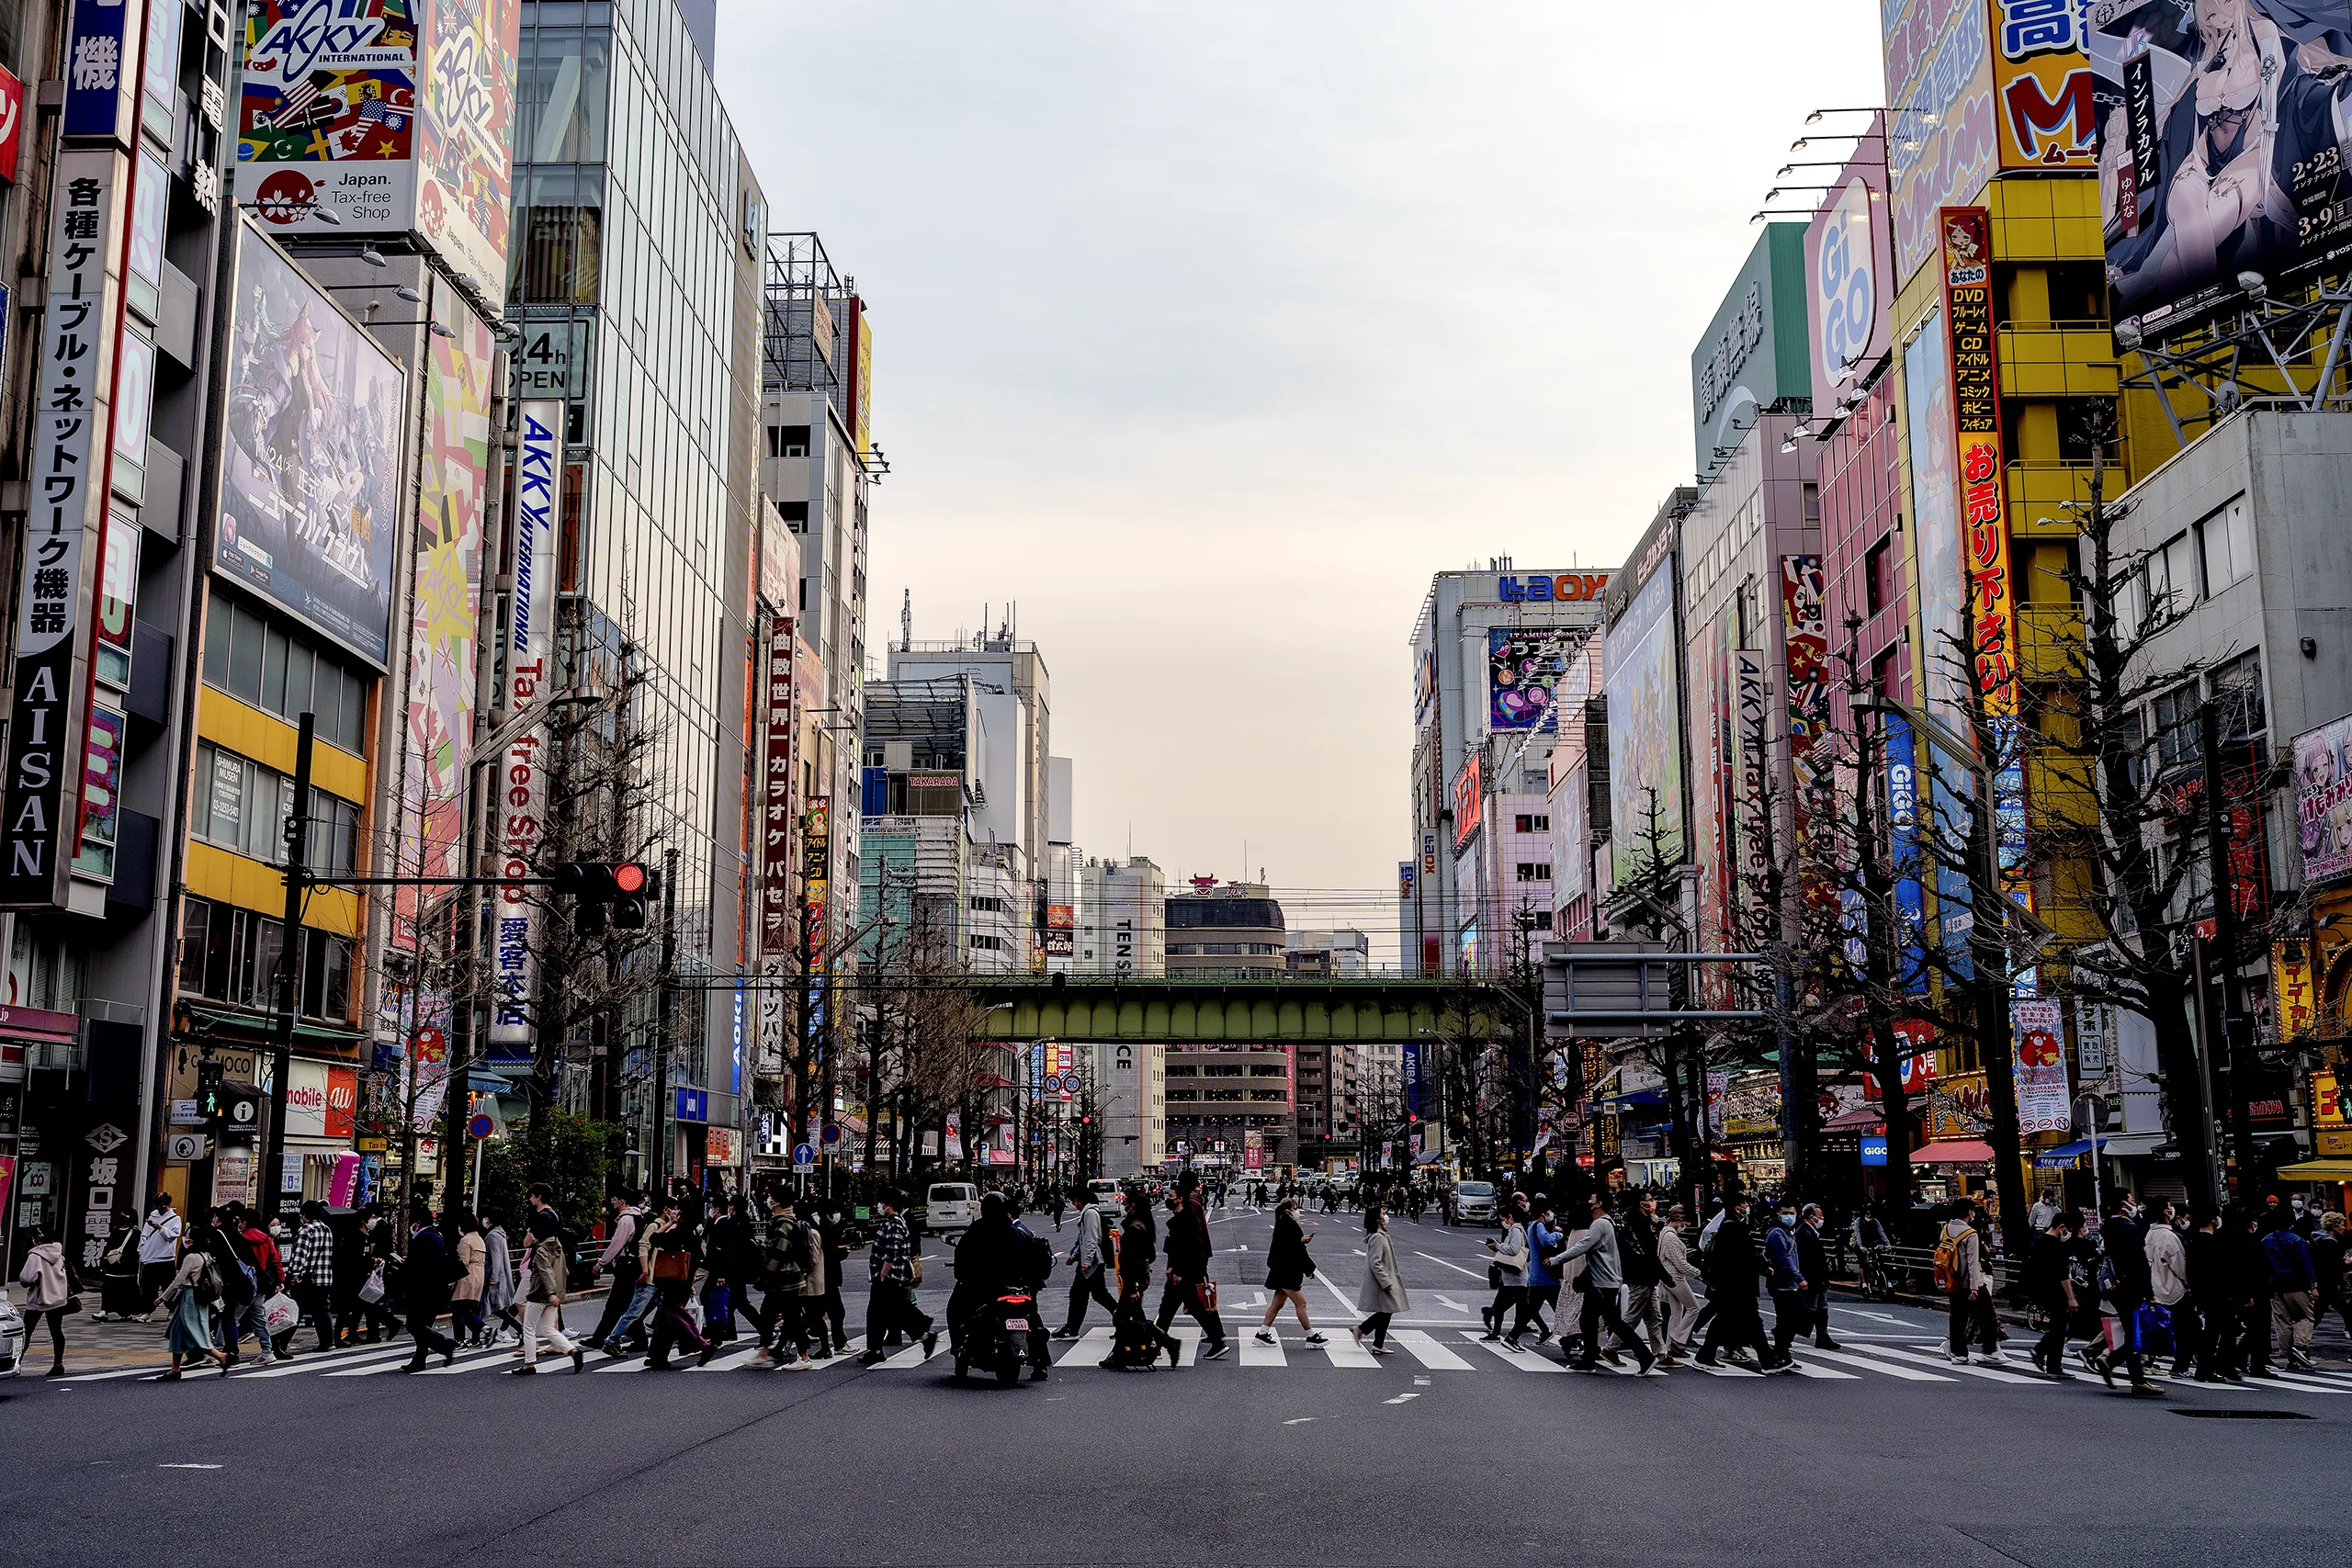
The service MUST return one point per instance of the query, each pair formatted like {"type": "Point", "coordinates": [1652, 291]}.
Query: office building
{"type": "Point", "coordinates": [1123, 918]}
{"type": "Point", "coordinates": [1225, 930]}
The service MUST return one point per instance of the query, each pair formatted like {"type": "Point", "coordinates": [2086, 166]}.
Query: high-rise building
{"type": "Point", "coordinates": [1346, 953]}
{"type": "Point", "coordinates": [1010, 674]}
{"type": "Point", "coordinates": [112, 200]}
{"type": "Point", "coordinates": [925, 869]}
{"type": "Point", "coordinates": [639, 264]}
{"type": "Point", "coordinates": [1495, 661]}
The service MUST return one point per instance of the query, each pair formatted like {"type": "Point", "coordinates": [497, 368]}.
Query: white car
{"type": "Point", "coordinates": [1472, 1203]}
{"type": "Point", "coordinates": [950, 1208]}
{"type": "Point", "coordinates": [12, 1336]}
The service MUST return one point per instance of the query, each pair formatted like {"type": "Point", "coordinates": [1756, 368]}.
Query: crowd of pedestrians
{"type": "Point", "coordinates": [2217, 1296]}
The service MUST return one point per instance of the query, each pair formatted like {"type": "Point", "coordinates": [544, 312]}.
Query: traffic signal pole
{"type": "Point", "coordinates": [290, 967]}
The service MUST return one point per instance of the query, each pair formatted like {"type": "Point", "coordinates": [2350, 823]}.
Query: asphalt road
{"type": "Point", "coordinates": [1444, 1452]}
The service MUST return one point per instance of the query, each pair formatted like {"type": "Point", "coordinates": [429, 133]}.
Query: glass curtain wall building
{"type": "Point", "coordinates": [634, 280]}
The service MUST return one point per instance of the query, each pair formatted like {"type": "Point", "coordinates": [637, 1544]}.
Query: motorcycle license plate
{"type": "Point", "coordinates": [1016, 1324]}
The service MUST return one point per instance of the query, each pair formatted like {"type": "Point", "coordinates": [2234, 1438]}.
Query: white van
{"type": "Point", "coordinates": [1102, 1191]}
{"type": "Point", "coordinates": [950, 1207]}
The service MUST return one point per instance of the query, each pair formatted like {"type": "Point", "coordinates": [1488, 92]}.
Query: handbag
{"type": "Point", "coordinates": [371, 1290]}
{"type": "Point", "coordinates": [1207, 1293]}
{"type": "Point", "coordinates": [673, 1263]}
{"type": "Point", "coordinates": [914, 1269]}
{"type": "Point", "coordinates": [72, 1305]}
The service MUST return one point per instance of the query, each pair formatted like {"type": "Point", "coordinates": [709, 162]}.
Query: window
{"type": "Point", "coordinates": [1534, 870]}
{"type": "Point", "coordinates": [2172, 576]}
{"type": "Point", "coordinates": [2225, 542]}
{"type": "Point", "coordinates": [1182, 950]}
{"type": "Point", "coordinates": [795, 514]}
{"type": "Point", "coordinates": [1222, 949]}
{"type": "Point", "coordinates": [2176, 727]}
{"type": "Point", "coordinates": [987, 904]}
{"type": "Point", "coordinates": [987, 943]}
{"type": "Point", "coordinates": [2237, 698]}
{"type": "Point", "coordinates": [231, 956]}
{"type": "Point", "coordinates": [1259, 948]}
{"type": "Point", "coordinates": [280, 671]}
{"type": "Point", "coordinates": [44, 970]}
{"type": "Point", "coordinates": [241, 806]}
{"type": "Point", "coordinates": [1532, 824]}
{"type": "Point", "coordinates": [1878, 576]}
{"type": "Point", "coordinates": [790, 441]}
{"type": "Point", "coordinates": [1542, 920]}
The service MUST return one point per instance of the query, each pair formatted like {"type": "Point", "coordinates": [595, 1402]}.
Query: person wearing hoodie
{"type": "Point", "coordinates": [49, 1284]}
{"type": "Point", "coordinates": [1507, 1267]}
{"type": "Point", "coordinates": [1603, 1280]}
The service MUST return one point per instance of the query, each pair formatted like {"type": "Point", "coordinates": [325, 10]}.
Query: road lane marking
{"type": "Point", "coordinates": [1425, 1349]}
{"type": "Point", "coordinates": [1525, 1360]}
{"type": "Point", "coordinates": [1456, 1267]}
{"type": "Point", "coordinates": [1883, 1368]}
{"type": "Point", "coordinates": [1256, 1352]}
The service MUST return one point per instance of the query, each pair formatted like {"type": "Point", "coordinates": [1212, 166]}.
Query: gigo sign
{"type": "Point", "coordinates": [1567, 587]}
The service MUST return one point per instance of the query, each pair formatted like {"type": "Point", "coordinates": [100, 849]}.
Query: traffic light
{"type": "Point", "coordinates": [604, 892]}
{"type": "Point", "coordinates": [208, 1075]}
{"type": "Point", "coordinates": [632, 886]}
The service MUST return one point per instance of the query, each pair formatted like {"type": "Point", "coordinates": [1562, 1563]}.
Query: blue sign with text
{"type": "Point", "coordinates": [693, 1104]}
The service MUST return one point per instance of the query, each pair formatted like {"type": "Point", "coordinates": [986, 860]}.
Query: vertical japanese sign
{"type": "Point", "coordinates": [12, 123]}
{"type": "Point", "coordinates": [1902, 852]}
{"type": "Point", "coordinates": [2041, 1066]}
{"type": "Point", "coordinates": [816, 858]}
{"type": "Point", "coordinates": [1989, 600]}
{"type": "Point", "coordinates": [66, 476]}
{"type": "Point", "coordinates": [2295, 1004]}
{"type": "Point", "coordinates": [777, 923]}
{"type": "Point", "coordinates": [1806, 636]}
{"type": "Point", "coordinates": [101, 88]}
{"type": "Point", "coordinates": [522, 778]}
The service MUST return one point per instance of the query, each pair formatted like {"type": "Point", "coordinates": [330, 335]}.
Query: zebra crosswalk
{"type": "Point", "coordinates": [1916, 1362]}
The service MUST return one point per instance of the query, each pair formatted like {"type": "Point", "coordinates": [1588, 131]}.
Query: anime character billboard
{"type": "Point", "coordinates": [310, 477]}
{"type": "Point", "coordinates": [1524, 668]}
{"type": "Point", "coordinates": [2222, 126]}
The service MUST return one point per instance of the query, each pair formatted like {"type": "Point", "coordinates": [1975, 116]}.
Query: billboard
{"type": "Point", "coordinates": [2323, 799]}
{"type": "Point", "coordinates": [1752, 354]}
{"type": "Point", "coordinates": [2041, 85]}
{"type": "Point", "coordinates": [1944, 143]}
{"type": "Point", "coordinates": [1469, 797]}
{"type": "Point", "coordinates": [445, 611]}
{"type": "Point", "coordinates": [1523, 668]}
{"type": "Point", "coordinates": [1934, 504]}
{"type": "Point", "coordinates": [383, 116]}
{"type": "Point", "coordinates": [2220, 146]}
{"type": "Point", "coordinates": [2039, 1061]}
{"type": "Point", "coordinates": [1850, 273]}
{"type": "Point", "coordinates": [1643, 689]}
{"type": "Point", "coordinates": [310, 476]}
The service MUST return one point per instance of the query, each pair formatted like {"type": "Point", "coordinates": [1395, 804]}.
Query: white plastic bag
{"type": "Point", "coordinates": [279, 1313]}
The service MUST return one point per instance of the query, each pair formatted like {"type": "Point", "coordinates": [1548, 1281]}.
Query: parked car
{"type": "Point", "coordinates": [12, 1336]}
{"type": "Point", "coordinates": [1471, 1203]}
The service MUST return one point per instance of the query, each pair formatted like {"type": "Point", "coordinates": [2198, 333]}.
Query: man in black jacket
{"type": "Point", "coordinates": [2050, 1284]}
{"type": "Point", "coordinates": [1733, 1271]}
{"type": "Point", "coordinates": [2127, 1264]}
{"type": "Point", "coordinates": [1637, 1264]}
{"type": "Point", "coordinates": [427, 1279]}
{"type": "Point", "coordinates": [1188, 1251]}
{"type": "Point", "coordinates": [1813, 1262]}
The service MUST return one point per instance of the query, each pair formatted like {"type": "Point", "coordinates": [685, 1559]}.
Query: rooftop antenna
{"type": "Point", "coordinates": [907, 621]}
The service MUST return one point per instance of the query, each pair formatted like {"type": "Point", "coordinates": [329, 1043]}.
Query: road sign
{"type": "Point", "coordinates": [478, 1126]}
{"type": "Point", "coordinates": [832, 1133]}
{"type": "Point", "coordinates": [804, 1155]}
{"type": "Point", "coordinates": [187, 1145]}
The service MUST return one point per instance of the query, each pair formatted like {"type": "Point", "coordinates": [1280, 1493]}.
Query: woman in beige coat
{"type": "Point", "coordinates": [1382, 1295]}
{"type": "Point", "coordinates": [465, 1297]}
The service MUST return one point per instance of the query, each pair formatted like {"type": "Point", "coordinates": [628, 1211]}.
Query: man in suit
{"type": "Point", "coordinates": [427, 1279]}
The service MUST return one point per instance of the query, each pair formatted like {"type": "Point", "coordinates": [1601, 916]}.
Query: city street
{"type": "Point", "coordinates": [1446, 1450]}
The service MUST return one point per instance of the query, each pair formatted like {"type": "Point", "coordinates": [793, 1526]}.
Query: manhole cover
{"type": "Point", "coordinates": [2245, 1415]}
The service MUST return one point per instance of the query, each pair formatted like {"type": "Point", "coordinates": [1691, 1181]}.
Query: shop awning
{"type": "Point", "coordinates": [2065, 1153]}
{"type": "Point", "coordinates": [1851, 1121]}
{"type": "Point", "coordinates": [2318, 1170]}
{"type": "Point", "coordinates": [1617, 1102]}
{"type": "Point", "coordinates": [1960, 1151]}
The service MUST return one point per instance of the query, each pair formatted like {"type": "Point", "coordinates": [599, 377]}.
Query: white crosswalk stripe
{"type": "Point", "coordinates": [1525, 1360]}
{"type": "Point", "coordinates": [1889, 1368]}
{"type": "Point", "coordinates": [1425, 1349]}
{"type": "Point", "coordinates": [1945, 1365]}
{"type": "Point", "coordinates": [1256, 1352]}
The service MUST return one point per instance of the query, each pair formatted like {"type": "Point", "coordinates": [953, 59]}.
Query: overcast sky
{"type": "Point", "coordinates": [1207, 331]}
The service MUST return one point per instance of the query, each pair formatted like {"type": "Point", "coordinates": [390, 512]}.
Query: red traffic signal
{"type": "Point", "coordinates": [629, 876]}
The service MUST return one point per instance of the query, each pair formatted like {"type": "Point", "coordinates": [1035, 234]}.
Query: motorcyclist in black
{"type": "Point", "coordinates": [997, 1254]}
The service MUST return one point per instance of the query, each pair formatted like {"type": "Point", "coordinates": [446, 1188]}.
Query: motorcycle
{"type": "Point", "coordinates": [997, 1338]}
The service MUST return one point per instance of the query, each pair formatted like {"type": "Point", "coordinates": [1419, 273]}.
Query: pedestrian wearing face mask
{"type": "Point", "coordinates": [1787, 1279]}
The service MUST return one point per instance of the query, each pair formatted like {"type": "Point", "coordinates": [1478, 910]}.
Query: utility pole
{"type": "Point", "coordinates": [665, 1011]}
{"type": "Point", "coordinates": [290, 967]}
{"type": "Point", "coordinates": [2224, 1051]}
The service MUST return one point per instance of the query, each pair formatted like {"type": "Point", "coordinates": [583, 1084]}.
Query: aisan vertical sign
{"type": "Point", "coordinates": [1990, 592]}
{"type": "Point", "coordinates": [66, 477]}
{"type": "Point", "coordinates": [521, 777]}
